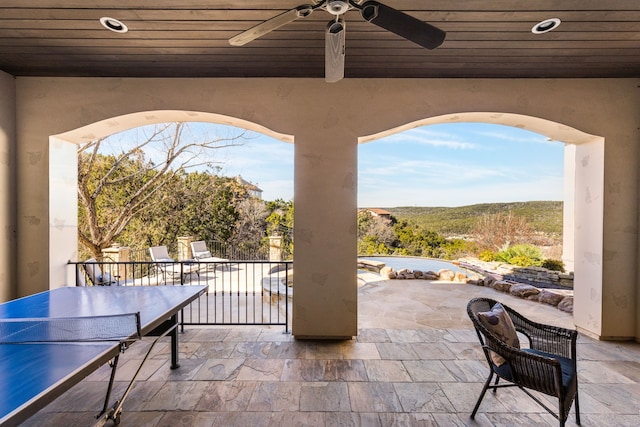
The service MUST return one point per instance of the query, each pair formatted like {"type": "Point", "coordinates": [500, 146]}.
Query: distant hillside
{"type": "Point", "coordinates": [544, 216]}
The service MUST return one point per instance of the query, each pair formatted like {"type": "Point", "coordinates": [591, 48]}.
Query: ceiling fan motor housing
{"type": "Point", "coordinates": [337, 7]}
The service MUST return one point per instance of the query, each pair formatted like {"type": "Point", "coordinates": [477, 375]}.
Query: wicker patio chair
{"type": "Point", "coordinates": [547, 366]}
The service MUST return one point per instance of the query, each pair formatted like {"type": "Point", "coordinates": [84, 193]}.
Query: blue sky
{"type": "Point", "coordinates": [439, 165]}
{"type": "Point", "coordinates": [459, 164]}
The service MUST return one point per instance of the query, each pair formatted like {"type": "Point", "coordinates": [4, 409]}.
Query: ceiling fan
{"type": "Point", "coordinates": [390, 19]}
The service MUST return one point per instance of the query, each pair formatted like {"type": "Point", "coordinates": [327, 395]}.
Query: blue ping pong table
{"type": "Point", "coordinates": [34, 374]}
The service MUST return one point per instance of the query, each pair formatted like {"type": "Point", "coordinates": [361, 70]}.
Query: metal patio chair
{"type": "Point", "coordinates": [167, 266]}
{"type": "Point", "coordinates": [547, 366]}
{"type": "Point", "coordinates": [95, 275]}
{"type": "Point", "coordinates": [202, 254]}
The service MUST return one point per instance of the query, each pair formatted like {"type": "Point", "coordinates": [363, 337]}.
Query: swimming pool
{"type": "Point", "coordinates": [416, 263]}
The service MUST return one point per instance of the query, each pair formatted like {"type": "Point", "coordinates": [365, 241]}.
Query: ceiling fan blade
{"type": "Point", "coordinates": [404, 25]}
{"type": "Point", "coordinates": [270, 25]}
{"type": "Point", "coordinates": [334, 51]}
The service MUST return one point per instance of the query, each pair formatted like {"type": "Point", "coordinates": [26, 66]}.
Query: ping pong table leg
{"type": "Point", "coordinates": [175, 362]}
{"type": "Point", "coordinates": [116, 410]}
{"type": "Point", "coordinates": [114, 366]}
{"type": "Point", "coordinates": [170, 327]}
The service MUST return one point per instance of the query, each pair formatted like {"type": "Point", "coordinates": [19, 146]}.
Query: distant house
{"type": "Point", "coordinates": [378, 212]}
{"type": "Point", "coordinates": [254, 190]}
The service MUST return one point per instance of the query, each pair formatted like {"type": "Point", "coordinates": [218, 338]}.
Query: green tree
{"type": "Point", "coordinates": [279, 222]}
{"type": "Point", "coordinates": [224, 213]}
{"type": "Point", "coordinates": [417, 241]}
{"type": "Point", "coordinates": [376, 235]}
{"type": "Point", "coordinates": [198, 204]}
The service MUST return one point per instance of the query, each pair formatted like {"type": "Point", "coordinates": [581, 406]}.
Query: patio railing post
{"type": "Point", "coordinates": [119, 256]}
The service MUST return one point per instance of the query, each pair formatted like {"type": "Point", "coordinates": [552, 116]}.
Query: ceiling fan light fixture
{"type": "Point", "coordinates": [546, 26]}
{"type": "Point", "coordinates": [113, 24]}
{"type": "Point", "coordinates": [334, 51]}
{"type": "Point", "coordinates": [304, 10]}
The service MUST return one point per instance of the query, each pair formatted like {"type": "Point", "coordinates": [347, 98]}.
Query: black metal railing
{"type": "Point", "coordinates": [217, 249]}
{"type": "Point", "coordinates": [229, 251]}
{"type": "Point", "coordinates": [239, 292]}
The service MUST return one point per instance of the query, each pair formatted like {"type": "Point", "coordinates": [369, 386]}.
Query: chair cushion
{"type": "Point", "coordinates": [498, 322]}
{"type": "Point", "coordinates": [566, 365]}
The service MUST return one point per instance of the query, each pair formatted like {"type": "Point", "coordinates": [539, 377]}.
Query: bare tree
{"type": "Point", "coordinates": [114, 188]}
{"type": "Point", "coordinates": [251, 225]}
{"type": "Point", "coordinates": [501, 230]}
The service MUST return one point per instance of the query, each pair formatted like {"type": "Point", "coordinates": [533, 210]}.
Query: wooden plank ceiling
{"type": "Point", "coordinates": [189, 38]}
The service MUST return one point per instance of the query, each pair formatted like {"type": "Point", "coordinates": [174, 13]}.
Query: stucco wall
{"type": "Point", "coordinates": [8, 288]}
{"type": "Point", "coordinates": [326, 122]}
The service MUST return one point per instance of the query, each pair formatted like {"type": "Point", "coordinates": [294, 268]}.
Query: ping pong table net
{"type": "Point", "coordinates": [123, 328]}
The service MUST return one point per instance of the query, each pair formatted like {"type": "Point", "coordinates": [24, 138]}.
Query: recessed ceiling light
{"type": "Point", "coordinates": [546, 26]}
{"type": "Point", "coordinates": [113, 25]}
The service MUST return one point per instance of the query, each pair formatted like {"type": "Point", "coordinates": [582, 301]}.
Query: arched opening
{"type": "Point", "coordinates": [583, 200]}
{"type": "Point", "coordinates": [63, 175]}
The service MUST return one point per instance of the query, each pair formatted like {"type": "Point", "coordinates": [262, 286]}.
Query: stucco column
{"type": "Point", "coordinates": [116, 253]}
{"type": "Point", "coordinates": [8, 289]}
{"type": "Point", "coordinates": [569, 211]}
{"type": "Point", "coordinates": [184, 247]}
{"type": "Point", "coordinates": [275, 248]}
{"type": "Point", "coordinates": [325, 299]}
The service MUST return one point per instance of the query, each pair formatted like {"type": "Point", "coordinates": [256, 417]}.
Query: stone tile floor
{"type": "Point", "coordinates": [416, 361]}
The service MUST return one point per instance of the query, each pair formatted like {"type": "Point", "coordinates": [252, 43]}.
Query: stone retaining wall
{"type": "Point", "coordinates": [535, 276]}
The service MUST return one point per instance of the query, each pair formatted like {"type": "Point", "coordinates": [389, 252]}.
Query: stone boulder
{"type": "Point", "coordinates": [502, 286]}
{"type": "Point", "coordinates": [430, 275]}
{"type": "Point", "coordinates": [524, 291]}
{"type": "Point", "coordinates": [489, 281]}
{"type": "Point", "coordinates": [446, 275]}
{"type": "Point", "coordinates": [385, 271]}
{"type": "Point", "coordinates": [460, 277]}
{"type": "Point", "coordinates": [566, 305]}
{"type": "Point", "coordinates": [551, 296]}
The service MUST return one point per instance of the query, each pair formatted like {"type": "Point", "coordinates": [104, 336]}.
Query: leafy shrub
{"type": "Point", "coordinates": [524, 261]}
{"type": "Point", "coordinates": [487, 256]}
{"type": "Point", "coordinates": [524, 255]}
{"type": "Point", "coordinates": [553, 264]}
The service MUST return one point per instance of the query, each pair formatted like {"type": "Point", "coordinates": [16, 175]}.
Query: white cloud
{"type": "Point", "coordinates": [427, 172]}
{"type": "Point", "coordinates": [522, 138]}
{"type": "Point", "coordinates": [430, 138]}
